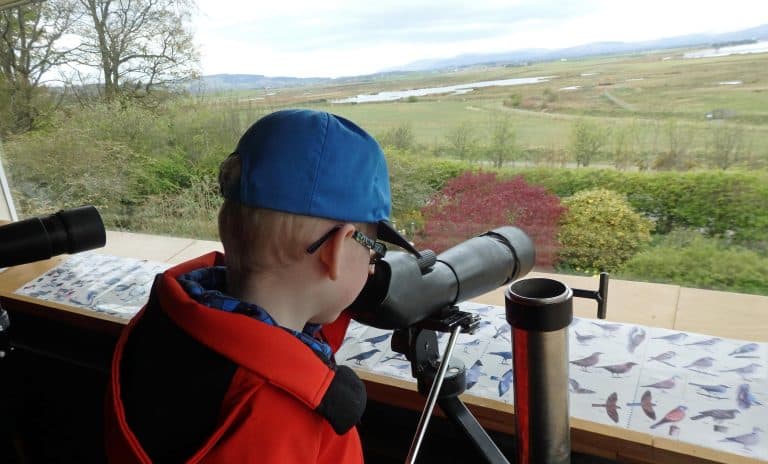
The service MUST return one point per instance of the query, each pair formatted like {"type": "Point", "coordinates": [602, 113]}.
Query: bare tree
{"type": "Point", "coordinates": [503, 137]}
{"type": "Point", "coordinates": [138, 45]}
{"type": "Point", "coordinates": [677, 156]}
{"type": "Point", "coordinates": [726, 145]}
{"type": "Point", "coordinates": [462, 141]}
{"type": "Point", "coordinates": [30, 49]}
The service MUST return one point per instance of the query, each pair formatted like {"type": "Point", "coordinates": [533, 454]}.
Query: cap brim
{"type": "Point", "coordinates": [388, 234]}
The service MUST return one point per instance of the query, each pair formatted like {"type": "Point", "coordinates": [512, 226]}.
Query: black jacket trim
{"type": "Point", "coordinates": [344, 402]}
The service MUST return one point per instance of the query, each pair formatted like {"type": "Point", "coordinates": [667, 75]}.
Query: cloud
{"type": "Point", "coordinates": [333, 38]}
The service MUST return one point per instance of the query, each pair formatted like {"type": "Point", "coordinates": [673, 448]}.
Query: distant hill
{"type": "Point", "coordinates": [592, 49]}
{"type": "Point", "coordinates": [223, 82]}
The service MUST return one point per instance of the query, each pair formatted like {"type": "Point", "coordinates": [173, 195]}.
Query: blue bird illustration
{"type": "Point", "coordinates": [748, 439]}
{"type": "Point", "coordinates": [397, 356]}
{"type": "Point", "coordinates": [505, 356]}
{"type": "Point", "coordinates": [505, 382]}
{"type": "Point", "coordinates": [359, 358]}
{"type": "Point", "coordinates": [745, 398]}
{"type": "Point", "coordinates": [466, 345]}
{"type": "Point", "coordinates": [575, 387]}
{"type": "Point", "coordinates": [673, 338]}
{"type": "Point", "coordinates": [647, 404]}
{"type": "Point", "coordinates": [474, 373]}
{"type": "Point", "coordinates": [378, 339]}
{"type": "Point", "coordinates": [711, 390]}
{"type": "Point", "coordinates": [636, 337]}
{"type": "Point", "coordinates": [748, 348]}
{"type": "Point", "coordinates": [502, 332]}
{"type": "Point", "coordinates": [718, 415]}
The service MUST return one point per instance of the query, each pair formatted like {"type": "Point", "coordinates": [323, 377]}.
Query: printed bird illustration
{"type": "Point", "coordinates": [504, 382]}
{"type": "Point", "coordinates": [748, 369]}
{"type": "Point", "coordinates": [665, 384]}
{"type": "Point", "coordinates": [466, 345]}
{"type": "Point", "coordinates": [717, 414]}
{"type": "Point", "coordinates": [701, 363]}
{"type": "Point", "coordinates": [673, 338]}
{"type": "Point", "coordinates": [748, 439]}
{"type": "Point", "coordinates": [474, 373]}
{"type": "Point", "coordinates": [584, 339]}
{"type": "Point", "coordinates": [608, 329]}
{"type": "Point", "coordinates": [483, 309]}
{"type": "Point", "coordinates": [646, 402]}
{"type": "Point", "coordinates": [610, 406]}
{"type": "Point", "coordinates": [745, 398]}
{"type": "Point", "coordinates": [675, 415]}
{"type": "Point", "coordinates": [502, 332]}
{"type": "Point", "coordinates": [377, 339]}
{"type": "Point", "coordinates": [587, 362]}
{"type": "Point", "coordinates": [397, 356]}
{"type": "Point", "coordinates": [706, 342]}
{"type": "Point", "coordinates": [748, 348]}
{"type": "Point", "coordinates": [360, 357]}
{"type": "Point", "coordinates": [711, 389]}
{"type": "Point", "coordinates": [576, 388]}
{"type": "Point", "coordinates": [617, 369]}
{"type": "Point", "coordinates": [504, 355]}
{"type": "Point", "coordinates": [663, 357]}
{"type": "Point", "coordinates": [636, 337]}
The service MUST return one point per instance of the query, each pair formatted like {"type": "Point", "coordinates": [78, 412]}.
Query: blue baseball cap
{"type": "Point", "coordinates": [316, 164]}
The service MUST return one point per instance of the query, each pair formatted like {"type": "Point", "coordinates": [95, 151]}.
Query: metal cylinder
{"type": "Point", "coordinates": [540, 311]}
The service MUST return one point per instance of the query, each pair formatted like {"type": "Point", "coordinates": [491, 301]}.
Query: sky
{"type": "Point", "coordinates": [334, 38]}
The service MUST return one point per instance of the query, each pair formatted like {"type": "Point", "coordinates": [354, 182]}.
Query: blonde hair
{"type": "Point", "coordinates": [257, 239]}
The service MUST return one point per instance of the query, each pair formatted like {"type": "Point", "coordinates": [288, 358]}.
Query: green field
{"type": "Point", "coordinates": [643, 92]}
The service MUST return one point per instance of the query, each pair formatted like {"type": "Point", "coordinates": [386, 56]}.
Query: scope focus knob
{"type": "Point", "coordinates": [427, 260]}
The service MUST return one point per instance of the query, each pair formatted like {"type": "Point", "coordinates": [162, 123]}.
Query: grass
{"type": "Point", "coordinates": [644, 91]}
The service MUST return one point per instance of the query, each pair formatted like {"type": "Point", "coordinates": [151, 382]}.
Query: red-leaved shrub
{"type": "Point", "coordinates": [473, 203]}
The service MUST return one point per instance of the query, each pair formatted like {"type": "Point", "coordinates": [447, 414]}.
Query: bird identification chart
{"type": "Point", "coordinates": [705, 390]}
{"type": "Point", "coordinates": [102, 283]}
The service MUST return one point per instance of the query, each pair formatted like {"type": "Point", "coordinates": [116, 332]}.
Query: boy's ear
{"type": "Point", "coordinates": [332, 253]}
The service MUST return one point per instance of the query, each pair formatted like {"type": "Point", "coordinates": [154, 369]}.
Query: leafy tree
{"type": "Point", "coordinates": [400, 137]}
{"type": "Point", "coordinates": [587, 139]}
{"type": "Point", "coordinates": [600, 231]}
{"type": "Point", "coordinates": [473, 203]}
{"type": "Point", "coordinates": [30, 48]}
{"type": "Point", "coordinates": [137, 45]}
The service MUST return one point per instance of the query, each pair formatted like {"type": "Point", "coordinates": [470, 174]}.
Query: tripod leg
{"type": "Point", "coordinates": [432, 398]}
{"type": "Point", "coordinates": [463, 418]}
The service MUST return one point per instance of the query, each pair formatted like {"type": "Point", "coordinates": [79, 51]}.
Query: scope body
{"type": "Point", "coordinates": [67, 231]}
{"type": "Point", "coordinates": [405, 290]}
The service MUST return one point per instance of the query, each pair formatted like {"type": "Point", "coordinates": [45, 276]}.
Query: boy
{"type": "Point", "coordinates": [226, 364]}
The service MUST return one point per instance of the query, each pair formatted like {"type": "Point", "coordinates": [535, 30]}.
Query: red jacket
{"type": "Point", "coordinates": [194, 384]}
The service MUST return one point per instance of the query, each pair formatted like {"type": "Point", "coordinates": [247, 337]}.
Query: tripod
{"type": "Point", "coordinates": [444, 381]}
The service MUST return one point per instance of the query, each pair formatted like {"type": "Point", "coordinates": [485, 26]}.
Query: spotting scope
{"type": "Point", "coordinates": [405, 290]}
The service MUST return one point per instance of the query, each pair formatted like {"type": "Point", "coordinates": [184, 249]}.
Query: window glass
{"type": "Point", "coordinates": [632, 143]}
